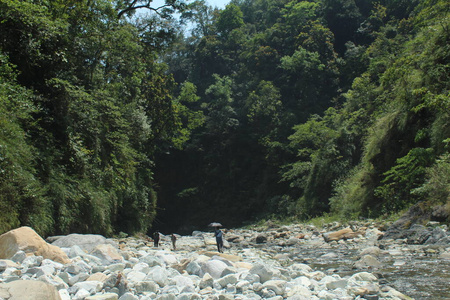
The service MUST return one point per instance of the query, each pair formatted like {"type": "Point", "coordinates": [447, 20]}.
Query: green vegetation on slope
{"type": "Point", "coordinates": [114, 121]}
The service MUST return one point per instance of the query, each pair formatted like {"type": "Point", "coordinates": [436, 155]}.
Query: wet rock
{"type": "Point", "coordinates": [417, 234]}
{"type": "Point", "coordinates": [374, 251]}
{"type": "Point", "coordinates": [260, 239]}
{"type": "Point", "coordinates": [367, 261]}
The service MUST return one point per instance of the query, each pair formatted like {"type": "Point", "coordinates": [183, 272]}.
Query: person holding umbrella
{"type": "Point", "coordinates": [219, 235]}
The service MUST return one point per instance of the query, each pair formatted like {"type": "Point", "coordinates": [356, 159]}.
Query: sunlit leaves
{"type": "Point", "coordinates": [186, 119]}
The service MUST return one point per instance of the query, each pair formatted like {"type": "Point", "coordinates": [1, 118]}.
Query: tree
{"type": "Point", "coordinates": [229, 19]}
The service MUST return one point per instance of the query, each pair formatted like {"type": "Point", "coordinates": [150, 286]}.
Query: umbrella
{"type": "Point", "coordinates": [215, 224]}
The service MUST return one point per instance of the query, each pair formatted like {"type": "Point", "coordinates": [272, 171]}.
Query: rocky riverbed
{"type": "Point", "coordinates": [339, 261]}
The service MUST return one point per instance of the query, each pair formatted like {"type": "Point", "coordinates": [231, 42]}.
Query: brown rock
{"type": "Point", "coordinates": [107, 253]}
{"type": "Point", "coordinates": [282, 234]}
{"type": "Point", "coordinates": [180, 267]}
{"type": "Point", "coordinates": [28, 290]}
{"type": "Point", "coordinates": [229, 257]}
{"type": "Point", "coordinates": [337, 235]}
{"type": "Point", "coordinates": [27, 240]}
{"type": "Point", "coordinates": [97, 277]}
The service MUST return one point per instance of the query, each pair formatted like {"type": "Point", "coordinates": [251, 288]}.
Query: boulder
{"type": "Point", "coordinates": [107, 253]}
{"type": "Point", "coordinates": [367, 261]}
{"type": "Point", "coordinates": [260, 239]}
{"type": "Point", "coordinates": [419, 213]}
{"type": "Point", "coordinates": [373, 250]}
{"type": "Point", "coordinates": [27, 240]}
{"type": "Point", "coordinates": [214, 267]}
{"type": "Point", "coordinates": [28, 290]}
{"type": "Point", "coordinates": [264, 272]}
{"type": "Point", "coordinates": [278, 286]}
{"type": "Point", "coordinates": [346, 233]}
{"type": "Point", "coordinates": [87, 242]}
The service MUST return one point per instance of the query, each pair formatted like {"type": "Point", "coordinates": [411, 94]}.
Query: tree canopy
{"type": "Point", "coordinates": [118, 116]}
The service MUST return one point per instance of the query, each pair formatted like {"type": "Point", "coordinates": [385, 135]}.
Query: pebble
{"type": "Point", "coordinates": [255, 266]}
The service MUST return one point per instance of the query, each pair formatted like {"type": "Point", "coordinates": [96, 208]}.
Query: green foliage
{"type": "Point", "coordinates": [186, 119]}
{"type": "Point", "coordinates": [221, 113]}
{"type": "Point", "coordinates": [229, 19]}
{"type": "Point", "coordinates": [84, 147]}
{"type": "Point", "coordinates": [270, 108]}
{"type": "Point", "coordinates": [404, 177]}
{"type": "Point", "coordinates": [22, 200]}
{"type": "Point", "coordinates": [405, 138]}
{"type": "Point", "coordinates": [436, 188]}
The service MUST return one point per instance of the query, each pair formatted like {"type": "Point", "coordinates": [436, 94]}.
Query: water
{"type": "Point", "coordinates": [414, 272]}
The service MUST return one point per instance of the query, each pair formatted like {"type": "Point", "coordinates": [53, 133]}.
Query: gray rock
{"type": "Point", "coordinates": [87, 242]}
{"type": "Point", "coordinates": [159, 275]}
{"type": "Point", "coordinates": [337, 284]}
{"type": "Point", "coordinates": [128, 296]}
{"type": "Point", "coordinates": [264, 272]}
{"type": "Point", "coordinates": [6, 263]}
{"type": "Point", "coordinates": [437, 236]}
{"type": "Point", "coordinates": [206, 281]}
{"type": "Point", "coordinates": [32, 261]}
{"type": "Point", "coordinates": [152, 261]}
{"type": "Point", "coordinates": [214, 267]}
{"type": "Point", "coordinates": [75, 251]}
{"type": "Point", "coordinates": [19, 257]}
{"type": "Point", "coordinates": [91, 286]}
{"type": "Point", "coordinates": [28, 290]}
{"type": "Point", "coordinates": [374, 251]}
{"type": "Point", "coordinates": [106, 296]}
{"type": "Point", "coordinates": [135, 276]}
{"type": "Point", "coordinates": [194, 268]}
{"type": "Point", "coordinates": [146, 286]}
{"type": "Point", "coordinates": [182, 281]}
{"type": "Point", "coordinates": [278, 286]}
{"type": "Point", "coordinates": [228, 279]}
{"type": "Point", "coordinates": [78, 278]}
{"type": "Point", "coordinates": [367, 261]}
{"type": "Point", "coordinates": [119, 267]}
{"type": "Point", "coordinates": [107, 253]}
{"type": "Point", "coordinates": [81, 294]}
{"type": "Point", "coordinates": [56, 281]}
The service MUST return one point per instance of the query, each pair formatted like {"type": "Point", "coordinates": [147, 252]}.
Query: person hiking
{"type": "Point", "coordinates": [174, 241]}
{"type": "Point", "coordinates": [156, 239]}
{"type": "Point", "coordinates": [219, 239]}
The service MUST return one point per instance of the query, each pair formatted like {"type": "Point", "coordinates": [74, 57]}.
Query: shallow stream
{"type": "Point", "coordinates": [412, 271]}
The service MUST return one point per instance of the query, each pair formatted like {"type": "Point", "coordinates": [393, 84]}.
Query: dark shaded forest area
{"type": "Point", "coordinates": [119, 116]}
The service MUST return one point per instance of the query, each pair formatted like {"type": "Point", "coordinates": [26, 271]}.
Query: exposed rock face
{"type": "Point", "coordinates": [410, 227]}
{"type": "Point", "coordinates": [28, 290]}
{"type": "Point", "coordinates": [27, 240]}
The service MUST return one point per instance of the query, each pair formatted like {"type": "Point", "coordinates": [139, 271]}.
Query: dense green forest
{"type": "Point", "coordinates": [121, 116]}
